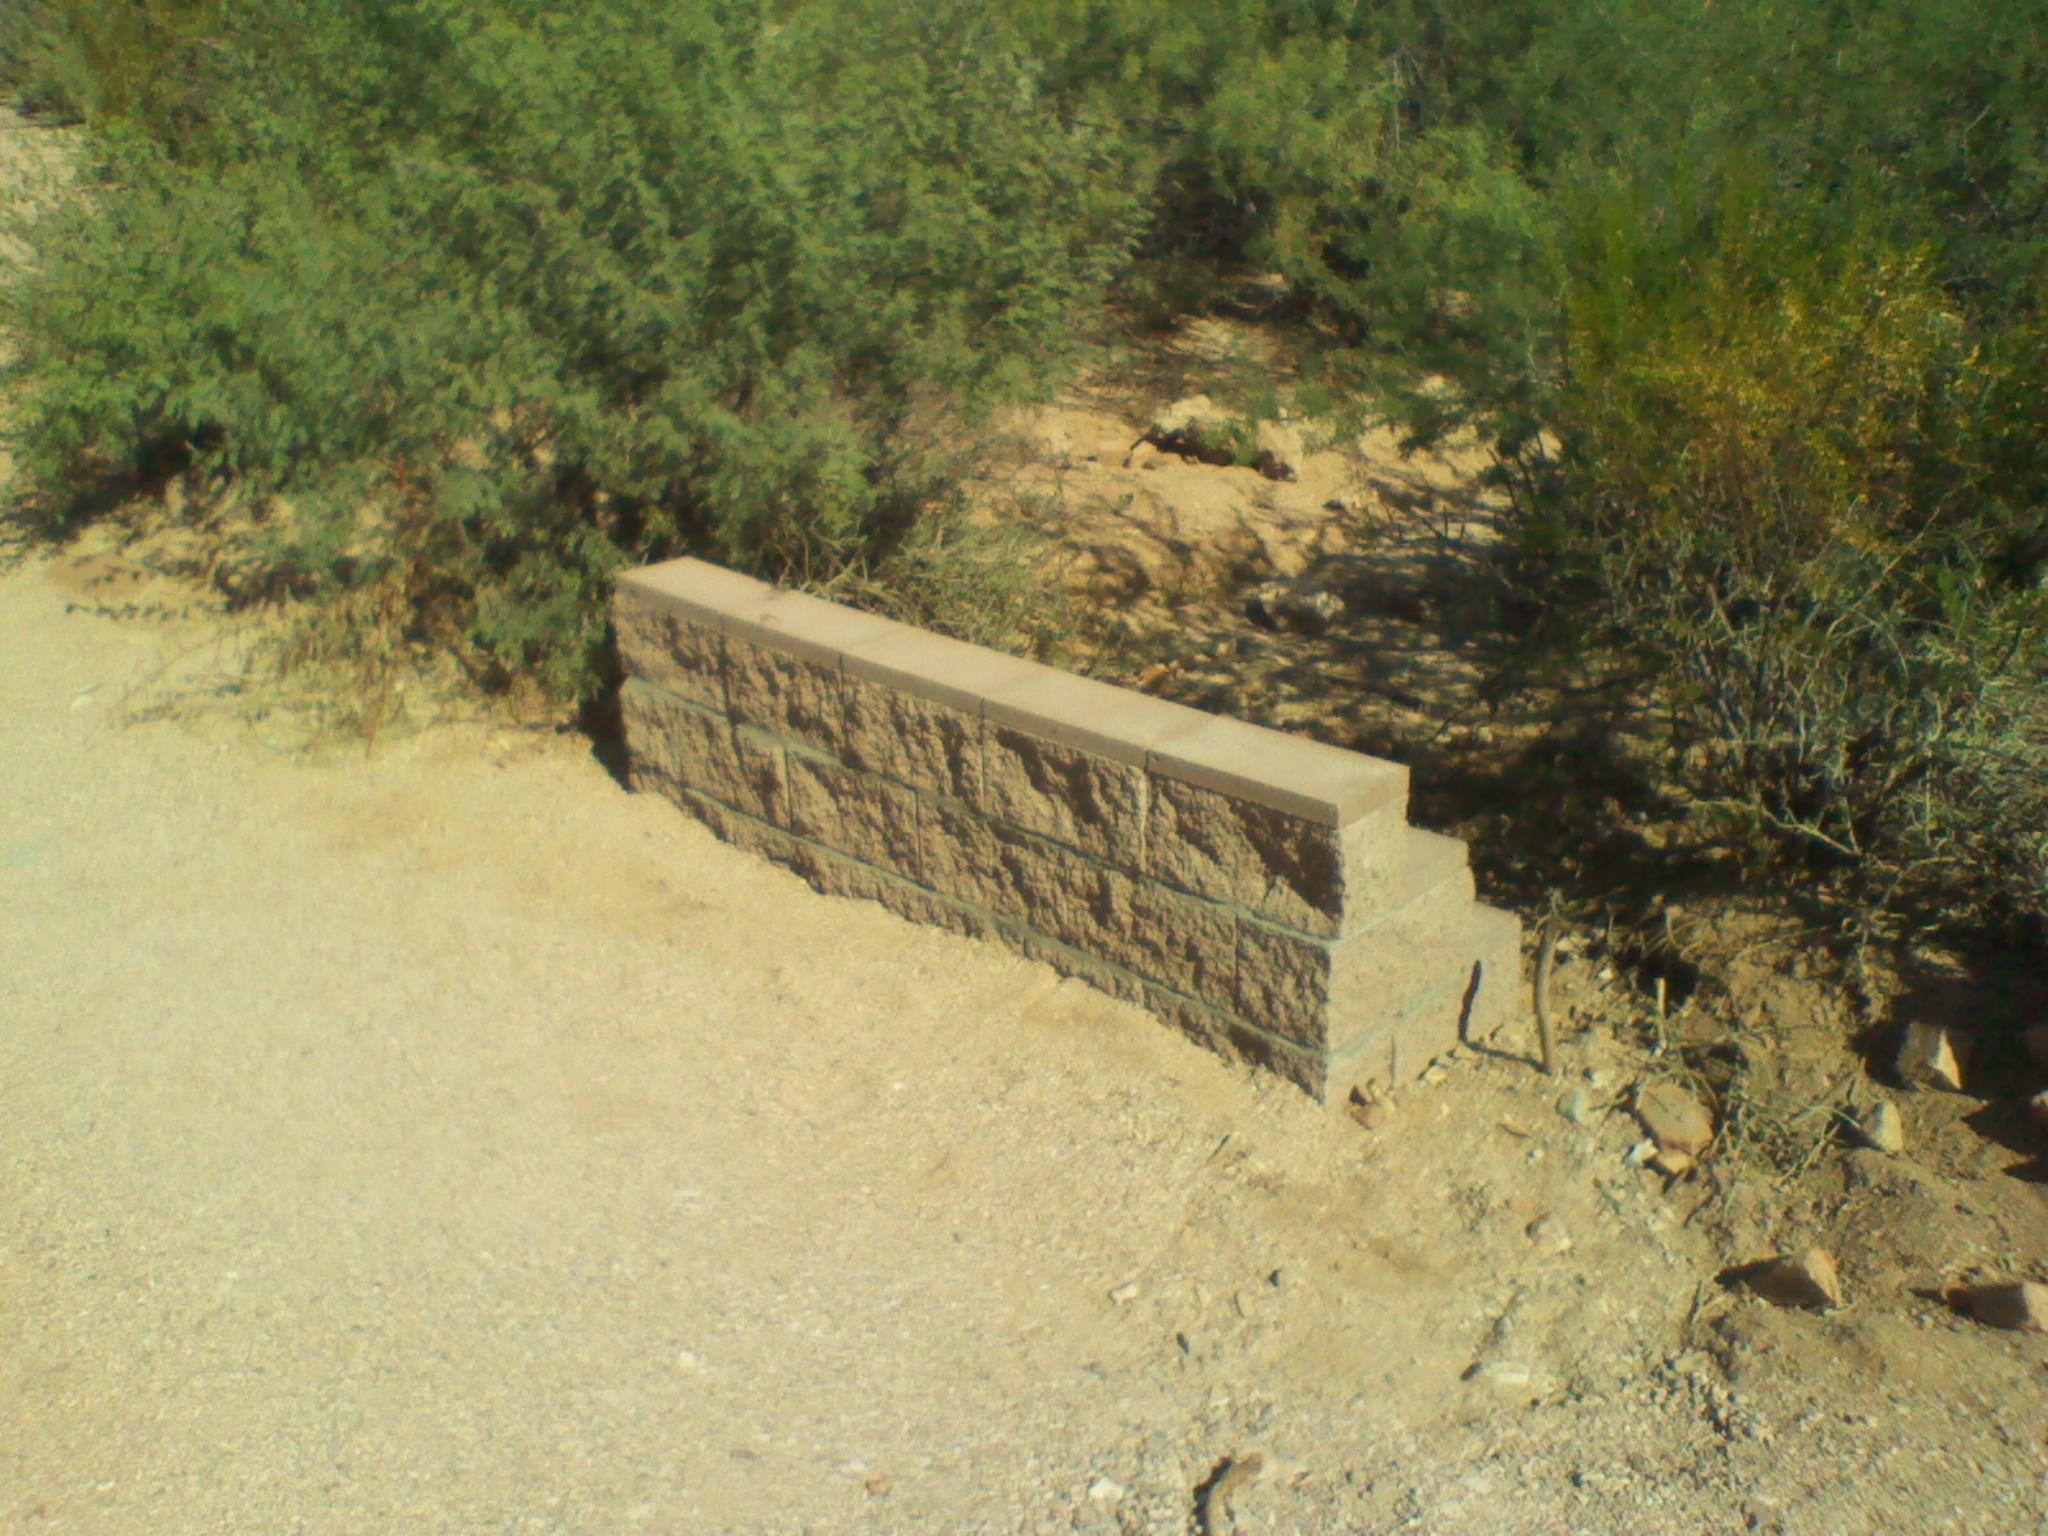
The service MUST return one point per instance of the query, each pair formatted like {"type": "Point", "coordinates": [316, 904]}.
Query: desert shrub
{"type": "Point", "coordinates": [1756, 359]}
{"type": "Point", "coordinates": [490, 299]}
{"type": "Point", "coordinates": [144, 63]}
{"type": "Point", "coordinates": [1785, 481]}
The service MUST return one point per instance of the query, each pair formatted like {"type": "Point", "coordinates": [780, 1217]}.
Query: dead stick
{"type": "Point", "coordinates": [1546, 953]}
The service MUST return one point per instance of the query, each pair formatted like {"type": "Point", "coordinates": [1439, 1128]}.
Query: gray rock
{"type": "Point", "coordinates": [2021, 1305]}
{"type": "Point", "coordinates": [1931, 1057]}
{"type": "Point", "coordinates": [1294, 607]}
{"type": "Point", "coordinates": [1883, 1127]}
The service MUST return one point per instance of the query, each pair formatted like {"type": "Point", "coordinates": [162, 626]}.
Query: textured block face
{"type": "Point", "coordinates": [1323, 992]}
{"type": "Point", "coordinates": [1313, 878]}
{"type": "Point", "coordinates": [760, 790]}
{"type": "Point", "coordinates": [1068, 961]}
{"type": "Point", "coordinates": [914, 741]}
{"type": "Point", "coordinates": [1154, 933]}
{"type": "Point", "coordinates": [670, 651]}
{"type": "Point", "coordinates": [788, 695]}
{"type": "Point", "coordinates": [1004, 870]}
{"type": "Point", "coordinates": [1166, 937]}
{"type": "Point", "coordinates": [1229, 1037]}
{"type": "Point", "coordinates": [1061, 792]}
{"type": "Point", "coordinates": [869, 818]}
{"type": "Point", "coordinates": [674, 743]}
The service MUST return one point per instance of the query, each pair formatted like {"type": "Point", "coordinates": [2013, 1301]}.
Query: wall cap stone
{"type": "Point", "coordinates": [1307, 779]}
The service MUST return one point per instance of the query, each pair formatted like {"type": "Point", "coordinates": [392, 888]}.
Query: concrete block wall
{"type": "Point", "coordinates": [1261, 892]}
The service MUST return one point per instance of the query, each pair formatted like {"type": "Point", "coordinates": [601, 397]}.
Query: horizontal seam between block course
{"type": "Point", "coordinates": [998, 920]}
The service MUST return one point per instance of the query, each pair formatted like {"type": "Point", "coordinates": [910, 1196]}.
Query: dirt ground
{"type": "Point", "coordinates": [448, 1140]}
{"type": "Point", "coordinates": [444, 1139]}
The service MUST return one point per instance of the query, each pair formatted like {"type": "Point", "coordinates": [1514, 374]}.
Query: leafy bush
{"type": "Point", "coordinates": [138, 62]}
{"type": "Point", "coordinates": [487, 300]}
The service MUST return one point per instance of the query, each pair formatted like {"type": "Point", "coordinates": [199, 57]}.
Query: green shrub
{"type": "Point", "coordinates": [1780, 484]}
{"type": "Point", "coordinates": [143, 63]}
{"type": "Point", "coordinates": [487, 300]}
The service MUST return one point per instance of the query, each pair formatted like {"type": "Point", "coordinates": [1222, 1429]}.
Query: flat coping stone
{"type": "Point", "coordinates": [695, 588]}
{"type": "Point", "coordinates": [808, 627]}
{"type": "Point", "coordinates": [1120, 724]}
{"type": "Point", "coordinates": [936, 668]}
{"type": "Point", "coordinates": [1326, 785]}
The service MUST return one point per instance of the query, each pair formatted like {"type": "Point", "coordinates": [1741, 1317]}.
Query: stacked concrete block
{"type": "Point", "coordinates": [1262, 892]}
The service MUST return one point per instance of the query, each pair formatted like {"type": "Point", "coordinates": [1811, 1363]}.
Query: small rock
{"type": "Point", "coordinates": [1672, 1162]}
{"type": "Point", "coordinates": [1103, 1491]}
{"type": "Point", "coordinates": [1931, 1057]}
{"type": "Point", "coordinates": [1273, 467]}
{"type": "Point", "coordinates": [1676, 1119]}
{"type": "Point", "coordinates": [1502, 1376]}
{"type": "Point", "coordinates": [1293, 607]}
{"type": "Point", "coordinates": [1641, 1153]}
{"type": "Point", "coordinates": [1128, 1291]}
{"type": "Point", "coordinates": [1804, 1279]}
{"type": "Point", "coordinates": [1576, 1105]}
{"type": "Point", "coordinates": [2019, 1304]}
{"type": "Point", "coordinates": [1369, 1113]}
{"type": "Point", "coordinates": [2037, 1109]}
{"type": "Point", "coordinates": [1549, 1235]}
{"type": "Point", "coordinates": [1883, 1127]}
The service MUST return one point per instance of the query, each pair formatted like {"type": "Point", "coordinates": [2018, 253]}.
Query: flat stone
{"type": "Point", "coordinates": [1806, 1279]}
{"type": "Point", "coordinates": [1931, 1057]}
{"type": "Point", "coordinates": [1883, 1127]}
{"type": "Point", "coordinates": [2021, 1305]}
{"type": "Point", "coordinates": [1674, 1118]}
{"type": "Point", "coordinates": [1305, 779]}
{"type": "Point", "coordinates": [694, 588]}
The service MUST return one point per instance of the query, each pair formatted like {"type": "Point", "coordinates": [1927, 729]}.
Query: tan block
{"type": "Point", "coordinates": [1475, 995]}
{"type": "Point", "coordinates": [837, 875]}
{"type": "Point", "coordinates": [761, 789]}
{"type": "Point", "coordinates": [670, 650]}
{"type": "Point", "coordinates": [1072, 796]}
{"type": "Point", "coordinates": [1179, 941]}
{"type": "Point", "coordinates": [1324, 991]}
{"type": "Point", "coordinates": [1286, 869]}
{"type": "Point", "coordinates": [1009, 872]}
{"type": "Point", "coordinates": [791, 696]}
{"type": "Point", "coordinates": [744, 832]}
{"type": "Point", "coordinates": [1279, 770]}
{"type": "Point", "coordinates": [1236, 1040]}
{"type": "Point", "coordinates": [1156, 933]}
{"type": "Point", "coordinates": [1097, 972]}
{"type": "Point", "coordinates": [919, 742]}
{"type": "Point", "coordinates": [855, 813]}
{"type": "Point", "coordinates": [668, 738]}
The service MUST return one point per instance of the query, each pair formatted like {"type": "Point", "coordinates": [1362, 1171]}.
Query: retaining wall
{"type": "Point", "coordinates": [1261, 892]}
